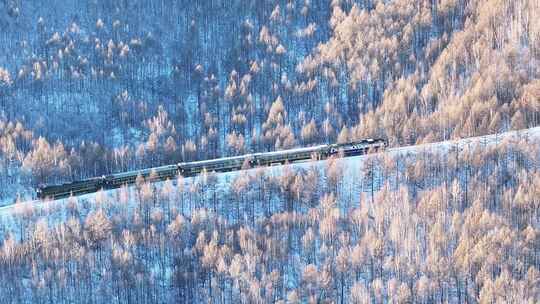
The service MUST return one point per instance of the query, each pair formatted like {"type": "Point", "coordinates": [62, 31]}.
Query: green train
{"type": "Point", "coordinates": [226, 164]}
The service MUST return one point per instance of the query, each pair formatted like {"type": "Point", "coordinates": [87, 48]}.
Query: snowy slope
{"type": "Point", "coordinates": [351, 166]}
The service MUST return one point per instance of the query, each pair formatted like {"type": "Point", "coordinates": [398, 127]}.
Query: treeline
{"type": "Point", "coordinates": [422, 227]}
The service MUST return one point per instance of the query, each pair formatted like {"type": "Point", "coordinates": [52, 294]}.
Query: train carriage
{"type": "Point", "coordinates": [226, 164]}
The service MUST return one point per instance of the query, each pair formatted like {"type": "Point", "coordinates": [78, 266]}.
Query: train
{"type": "Point", "coordinates": [226, 164]}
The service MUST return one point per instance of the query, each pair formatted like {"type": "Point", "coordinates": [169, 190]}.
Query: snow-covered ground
{"type": "Point", "coordinates": [351, 168]}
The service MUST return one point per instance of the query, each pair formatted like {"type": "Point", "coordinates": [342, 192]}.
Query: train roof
{"type": "Point", "coordinates": [296, 150]}
{"type": "Point", "coordinates": [252, 155]}
{"type": "Point", "coordinates": [215, 160]}
{"type": "Point", "coordinates": [144, 171]}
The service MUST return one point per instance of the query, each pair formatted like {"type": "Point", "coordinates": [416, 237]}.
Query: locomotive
{"type": "Point", "coordinates": [226, 164]}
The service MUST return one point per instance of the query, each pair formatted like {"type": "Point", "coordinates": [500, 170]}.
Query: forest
{"type": "Point", "coordinates": [97, 87]}
{"type": "Point", "coordinates": [423, 227]}
{"type": "Point", "coordinates": [94, 87]}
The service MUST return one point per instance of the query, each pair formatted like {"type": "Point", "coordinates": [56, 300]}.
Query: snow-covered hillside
{"type": "Point", "coordinates": [91, 88]}
{"type": "Point", "coordinates": [388, 226]}
{"type": "Point", "coordinates": [352, 166]}
{"type": "Point", "coordinates": [97, 87]}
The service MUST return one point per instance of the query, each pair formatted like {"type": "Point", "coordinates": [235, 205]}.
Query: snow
{"type": "Point", "coordinates": [351, 168]}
